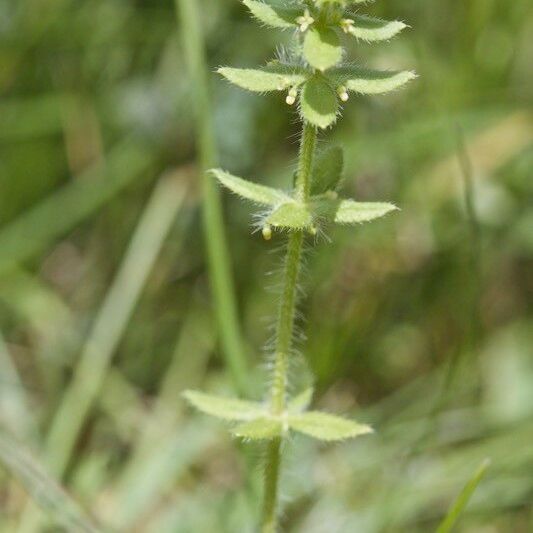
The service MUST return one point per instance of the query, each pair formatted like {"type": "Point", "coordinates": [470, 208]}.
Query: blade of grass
{"type": "Point", "coordinates": [42, 487]}
{"type": "Point", "coordinates": [462, 500]}
{"type": "Point", "coordinates": [472, 321]}
{"type": "Point", "coordinates": [162, 426]}
{"type": "Point", "coordinates": [215, 239]}
{"type": "Point", "coordinates": [14, 405]}
{"type": "Point", "coordinates": [186, 513]}
{"type": "Point", "coordinates": [33, 301]}
{"type": "Point", "coordinates": [158, 472]}
{"type": "Point", "coordinates": [413, 499]}
{"type": "Point", "coordinates": [50, 320]}
{"type": "Point", "coordinates": [109, 326]}
{"type": "Point", "coordinates": [112, 319]}
{"type": "Point", "coordinates": [41, 225]}
{"type": "Point", "coordinates": [195, 337]}
{"type": "Point", "coordinates": [58, 335]}
{"type": "Point", "coordinates": [475, 248]}
{"type": "Point", "coordinates": [24, 118]}
{"type": "Point", "coordinates": [123, 404]}
{"type": "Point", "coordinates": [464, 353]}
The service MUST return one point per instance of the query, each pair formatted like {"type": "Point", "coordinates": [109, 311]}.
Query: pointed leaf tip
{"type": "Point", "coordinates": [453, 514]}
{"type": "Point", "coordinates": [254, 192]}
{"type": "Point", "coordinates": [367, 81]}
{"type": "Point", "coordinates": [352, 212]}
{"type": "Point", "coordinates": [225, 408]}
{"type": "Point", "coordinates": [327, 427]}
{"type": "Point", "coordinates": [380, 85]}
{"type": "Point", "coordinates": [370, 28]}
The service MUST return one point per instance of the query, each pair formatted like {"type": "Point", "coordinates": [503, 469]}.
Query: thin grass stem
{"type": "Point", "coordinates": [15, 409]}
{"type": "Point", "coordinates": [462, 500]}
{"type": "Point", "coordinates": [44, 489]}
{"type": "Point", "coordinates": [213, 224]}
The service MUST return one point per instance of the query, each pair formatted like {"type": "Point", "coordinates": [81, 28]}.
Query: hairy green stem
{"type": "Point", "coordinates": [270, 499]}
{"type": "Point", "coordinates": [285, 330]}
{"type": "Point", "coordinates": [305, 161]}
{"type": "Point", "coordinates": [285, 324]}
{"type": "Point", "coordinates": [213, 224]}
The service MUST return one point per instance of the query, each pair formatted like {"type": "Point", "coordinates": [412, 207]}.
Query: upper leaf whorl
{"type": "Point", "coordinates": [319, 26]}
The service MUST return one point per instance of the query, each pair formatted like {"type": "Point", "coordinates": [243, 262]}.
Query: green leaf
{"type": "Point", "coordinates": [370, 28]}
{"type": "Point", "coordinates": [462, 500]}
{"type": "Point", "coordinates": [327, 427]}
{"type": "Point", "coordinates": [327, 170]}
{"type": "Point", "coordinates": [366, 81]}
{"type": "Point", "coordinates": [272, 14]}
{"type": "Point", "coordinates": [291, 215]}
{"type": "Point", "coordinates": [274, 77]}
{"type": "Point", "coordinates": [251, 191]}
{"type": "Point", "coordinates": [260, 428]}
{"type": "Point", "coordinates": [352, 212]}
{"type": "Point", "coordinates": [225, 408]}
{"type": "Point", "coordinates": [318, 103]}
{"type": "Point", "coordinates": [322, 48]}
{"type": "Point", "coordinates": [300, 402]}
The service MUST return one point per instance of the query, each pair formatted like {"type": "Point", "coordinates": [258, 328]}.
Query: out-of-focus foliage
{"type": "Point", "coordinates": [421, 326]}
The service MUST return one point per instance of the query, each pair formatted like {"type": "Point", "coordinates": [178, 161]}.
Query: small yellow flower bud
{"type": "Point", "coordinates": [343, 93]}
{"type": "Point", "coordinates": [291, 97]}
{"type": "Point", "coordinates": [267, 232]}
{"type": "Point", "coordinates": [313, 231]}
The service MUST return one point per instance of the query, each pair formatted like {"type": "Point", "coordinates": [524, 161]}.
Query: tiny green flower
{"type": "Point", "coordinates": [305, 21]}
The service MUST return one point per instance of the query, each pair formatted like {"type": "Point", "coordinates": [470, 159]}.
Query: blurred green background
{"type": "Point", "coordinates": [419, 324]}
